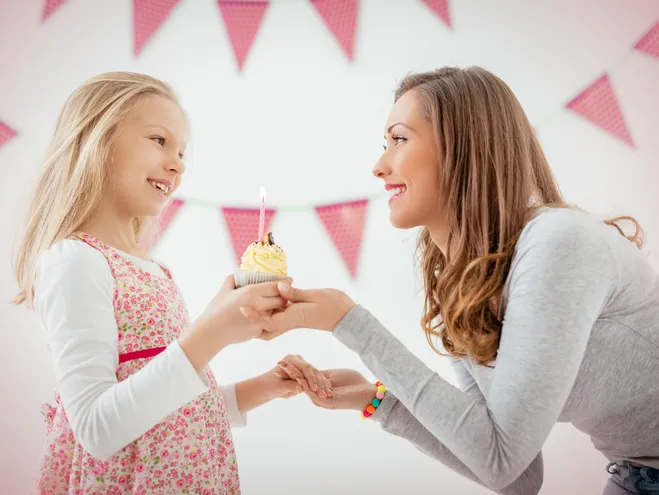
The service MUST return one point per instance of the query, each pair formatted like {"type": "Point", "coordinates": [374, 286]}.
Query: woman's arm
{"type": "Point", "coordinates": [562, 276]}
{"type": "Point", "coordinates": [397, 420]}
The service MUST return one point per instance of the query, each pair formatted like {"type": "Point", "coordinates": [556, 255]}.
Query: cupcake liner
{"type": "Point", "coordinates": [245, 277]}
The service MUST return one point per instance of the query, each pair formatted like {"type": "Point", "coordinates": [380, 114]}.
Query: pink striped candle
{"type": "Point", "coordinates": [262, 215]}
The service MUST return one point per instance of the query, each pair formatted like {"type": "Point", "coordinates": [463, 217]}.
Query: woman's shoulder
{"type": "Point", "coordinates": [565, 231]}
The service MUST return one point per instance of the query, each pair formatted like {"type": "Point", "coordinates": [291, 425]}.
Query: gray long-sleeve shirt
{"type": "Point", "coordinates": [579, 344]}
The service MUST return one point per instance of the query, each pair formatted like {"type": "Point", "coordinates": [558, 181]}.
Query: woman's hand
{"type": "Point", "coordinates": [348, 388]}
{"type": "Point", "coordinates": [320, 309]}
{"type": "Point", "coordinates": [224, 323]}
{"type": "Point", "coordinates": [226, 309]}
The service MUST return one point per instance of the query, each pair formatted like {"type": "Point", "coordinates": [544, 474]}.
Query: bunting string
{"type": "Point", "coordinates": [344, 221]}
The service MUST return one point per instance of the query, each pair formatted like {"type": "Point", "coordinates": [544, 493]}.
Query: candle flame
{"type": "Point", "coordinates": [262, 193]}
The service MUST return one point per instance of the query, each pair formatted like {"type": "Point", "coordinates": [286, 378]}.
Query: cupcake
{"type": "Point", "coordinates": [262, 261]}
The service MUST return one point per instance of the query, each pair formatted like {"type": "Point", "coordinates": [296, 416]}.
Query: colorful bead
{"type": "Point", "coordinates": [375, 403]}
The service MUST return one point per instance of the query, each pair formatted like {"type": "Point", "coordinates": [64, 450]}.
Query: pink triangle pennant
{"type": "Point", "coordinates": [165, 220]}
{"type": "Point", "coordinates": [50, 6]}
{"type": "Point", "coordinates": [598, 103]}
{"type": "Point", "coordinates": [340, 16]}
{"type": "Point", "coordinates": [148, 16]}
{"type": "Point", "coordinates": [650, 42]}
{"type": "Point", "coordinates": [6, 133]}
{"type": "Point", "coordinates": [242, 20]}
{"type": "Point", "coordinates": [441, 8]}
{"type": "Point", "coordinates": [345, 224]}
{"type": "Point", "coordinates": [243, 226]}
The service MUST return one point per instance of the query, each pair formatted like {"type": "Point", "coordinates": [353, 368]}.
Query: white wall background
{"type": "Point", "coordinates": [308, 125]}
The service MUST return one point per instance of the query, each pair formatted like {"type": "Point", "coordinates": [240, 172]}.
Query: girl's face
{"type": "Point", "coordinates": [409, 166]}
{"type": "Point", "coordinates": [146, 162]}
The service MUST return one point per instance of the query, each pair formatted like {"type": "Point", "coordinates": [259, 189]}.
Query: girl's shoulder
{"type": "Point", "coordinates": [71, 252]}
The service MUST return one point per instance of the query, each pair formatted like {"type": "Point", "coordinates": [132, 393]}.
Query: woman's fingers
{"type": "Point", "coordinates": [266, 304]}
{"type": "Point", "coordinates": [294, 374]}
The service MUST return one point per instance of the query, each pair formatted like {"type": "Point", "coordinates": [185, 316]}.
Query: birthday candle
{"type": "Point", "coordinates": [262, 215]}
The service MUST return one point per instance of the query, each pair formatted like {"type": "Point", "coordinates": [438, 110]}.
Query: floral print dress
{"type": "Point", "coordinates": [190, 451]}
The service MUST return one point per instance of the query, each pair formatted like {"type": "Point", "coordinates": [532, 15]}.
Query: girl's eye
{"type": "Point", "coordinates": [159, 140]}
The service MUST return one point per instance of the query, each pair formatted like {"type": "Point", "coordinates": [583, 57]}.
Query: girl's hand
{"type": "Point", "coordinates": [225, 310]}
{"type": "Point", "coordinates": [307, 377]}
{"type": "Point", "coordinates": [224, 323]}
{"type": "Point", "coordinates": [320, 309]}
{"type": "Point", "coordinates": [349, 389]}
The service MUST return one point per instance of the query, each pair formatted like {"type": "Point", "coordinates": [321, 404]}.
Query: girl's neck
{"type": "Point", "coordinates": [114, 230]}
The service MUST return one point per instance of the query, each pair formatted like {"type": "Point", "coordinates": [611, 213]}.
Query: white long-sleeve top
{"type": "Point", "coordinates": [73, 297]}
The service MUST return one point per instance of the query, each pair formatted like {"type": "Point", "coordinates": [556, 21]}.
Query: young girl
{"type": "Point", "coordinates": [549, 313]}
{"type": "Point", "coordinates": [137, 409]}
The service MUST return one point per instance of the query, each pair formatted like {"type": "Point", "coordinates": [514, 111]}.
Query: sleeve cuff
{"type": "Point", "coordinates": [348, 329]}
{"type": "Point", "coordinates": [236, 418]}
{"type": "Point", "coordinates": [195, 383]}
{"type": "Point", "coordinates": [381, 414]}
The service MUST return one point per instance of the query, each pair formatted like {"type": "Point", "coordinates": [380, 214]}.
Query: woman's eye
{"type": "Point", "coordinates": [159, 140]}
{"type": "Point", "coordinates": [399, 139]}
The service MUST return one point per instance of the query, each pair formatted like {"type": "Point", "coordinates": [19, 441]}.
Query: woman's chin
{"type": "Point", "coordinates": [401, 221]}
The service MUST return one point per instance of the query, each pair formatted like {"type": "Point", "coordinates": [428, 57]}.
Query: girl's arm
{"type": "Point", "coordinates": [561, 279]}
{"type": "Point", "coordinates": [73, 297]}
{"type": "Point", "coordinates": [261, 389]}
{"type": "Point", "coordinates": [242, 397]}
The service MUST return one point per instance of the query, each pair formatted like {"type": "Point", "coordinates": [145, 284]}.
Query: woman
{"type": "Point", "coordinates": [548, 313]}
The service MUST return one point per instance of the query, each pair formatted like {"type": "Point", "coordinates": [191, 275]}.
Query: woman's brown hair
{"type": "Point", "coordinates": [493, 178]}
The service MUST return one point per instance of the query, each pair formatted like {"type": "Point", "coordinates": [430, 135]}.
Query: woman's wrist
{"type": "Point", "coordinates": [370, 391]}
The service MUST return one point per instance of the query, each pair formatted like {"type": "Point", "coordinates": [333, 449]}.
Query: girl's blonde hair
{"type": "Point", "coordinates": [70, 185]}
{"type": "Point", "coordinates": [491, 166]}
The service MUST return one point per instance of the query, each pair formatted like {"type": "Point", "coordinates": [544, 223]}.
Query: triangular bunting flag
{"type": "Point", "coordinates": [598, 104]}
{"type": "Point", "coordinates": [650, 42]}
{"type": "Point", "coordinates": [243, 226]}
{"type": "Point", "coordinates": [148, 16]}
{"type": "Point", "coordinates": [6, 133]}
{"type": "Point", "coordinates": [165, 220]}
{"type": "Point", "coordinates": [242, 20]}
{"type": "Point", "coordinates": [440, 7]}
{"type": "Point", "coordinates": [50, 6]}
{"type": "Point", "coordinates": [340, 16]}
{"type": "Point", "coordinates": [345, 224]}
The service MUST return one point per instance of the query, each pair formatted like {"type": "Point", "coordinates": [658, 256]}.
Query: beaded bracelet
{"type": "Point", "coordinates": [375, 403]}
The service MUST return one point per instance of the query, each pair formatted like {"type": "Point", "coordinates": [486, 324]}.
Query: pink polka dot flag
{"type": "Point", "coordinates": [440, 7]}
{"type": "Point", "coordinates": [650, 42]}
{"type": "Point", "coordinates": [50, 6]}
{"type": "Point", "coordinates": [598, 104]}
{"type": "Point", "coordinates": [242, 21]}
{"type": "Point", "coordinates": [344, 223]}
{"type": "Point", "coordinates": [148, 16]}
{"type": "Point", "coordinates": [340, 16]}
{"type": "Point", "coordinates": [6, 133]}
{"type": "Point", "coordinates": [243, 227]}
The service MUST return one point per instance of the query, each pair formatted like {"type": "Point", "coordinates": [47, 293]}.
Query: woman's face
{"type": "Point", "coordinates": [409, 166]}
